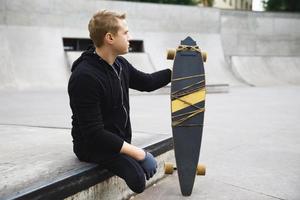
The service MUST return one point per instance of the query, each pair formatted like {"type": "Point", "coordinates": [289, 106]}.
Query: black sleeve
{"type": "Point", "coordinates": [85, 102]}
{"type": "Point", "coordinates": [148, 82]}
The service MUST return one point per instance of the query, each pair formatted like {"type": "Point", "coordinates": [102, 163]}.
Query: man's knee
{"type": "Point", "coordinates": [130, 170]}
{"type": "Point", "coordinates": [138, 184]}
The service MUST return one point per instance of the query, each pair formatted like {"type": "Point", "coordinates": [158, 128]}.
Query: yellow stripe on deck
{"type": "Point", "coordinates": [188, 100]}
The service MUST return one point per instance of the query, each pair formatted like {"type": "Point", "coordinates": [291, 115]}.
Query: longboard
{"type": "Point", "coordinates": [187, 106]}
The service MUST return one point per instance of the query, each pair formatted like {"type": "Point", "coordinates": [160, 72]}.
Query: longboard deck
{"type": "Point", "coordinates": [187, 105]}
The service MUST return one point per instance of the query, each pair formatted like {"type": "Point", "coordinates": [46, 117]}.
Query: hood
{"type": "Point", "coordinates": [88, 53]}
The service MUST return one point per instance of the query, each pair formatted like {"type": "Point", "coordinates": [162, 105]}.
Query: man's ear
{"type": "Point", "coordinates": [109, 38]}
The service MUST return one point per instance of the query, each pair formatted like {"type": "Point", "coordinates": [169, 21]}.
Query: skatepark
{"type": "Point", "coordinates": [251, 141]}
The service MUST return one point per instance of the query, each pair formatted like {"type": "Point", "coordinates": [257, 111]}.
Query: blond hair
{"type": "Point", "coordinates": [103, 22]}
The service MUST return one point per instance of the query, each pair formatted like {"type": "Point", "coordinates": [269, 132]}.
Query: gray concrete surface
{"type": "Point", "coordinates": [141, 61]}
{"type": "Point", "coordinates": [217, 70]}
{"type": "Point", "coordinates": [223, 34]}
{"type": "Point", "coordinates": [29, 59]}
{"type": "Point", "coordinates": [260, 33]}
{"type": "Point", "coordinates": [267, 71]}
{"type": "Point", "coordinates": [251, 142]}
{"type": "Point", "coordinates": [157, 43]}
{"type": "Point", "coordinates": [251, 148]}
{"type": "Point", "coordinates": [36, 145]}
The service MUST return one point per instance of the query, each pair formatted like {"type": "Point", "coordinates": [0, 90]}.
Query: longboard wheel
{"type": "Point", "coordinates": [171, 54]}
{"type": "Point", "coordinates": [169, 168]}
{"type": "Point", "coordinates": [204, 56]}
{"type": "Point", "coordinates": [201, 170]}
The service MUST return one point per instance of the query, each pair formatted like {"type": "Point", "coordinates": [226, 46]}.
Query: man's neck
{"type": "Point", "coordinates": [106, 55]}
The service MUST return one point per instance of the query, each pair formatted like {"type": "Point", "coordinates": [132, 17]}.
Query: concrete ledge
{"type": "Point", "coordinates": [218, 88]}
{"type": "Point", "coordinates": [37, 144]}
{"type": "Point", "coordinates": [211, 88]}
{"type": "Point", "coordinates": [93, 181]}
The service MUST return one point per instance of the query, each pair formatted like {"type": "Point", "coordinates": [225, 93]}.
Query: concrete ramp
{"type": "Point", "coordinates": [267, 71]}
{"type": "Point", "coordinates": [32, 58]}
{"type": "Point", "coordinates": [156, 45]}
{"type": "Point", "coordinates": [217, 70]}
{"type": "Point", "coordinates": [140, 61]}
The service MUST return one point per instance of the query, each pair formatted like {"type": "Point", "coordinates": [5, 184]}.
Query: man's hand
{"type": "Point", "coordinates": [149, 165]}
{"type": "Point", "coordinates": [145, 159]}
{"type": "Point", "coordinates": [133, 151]}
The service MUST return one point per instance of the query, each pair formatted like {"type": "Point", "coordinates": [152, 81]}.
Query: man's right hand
{"type": "Point", "coordinates": [149, 165]}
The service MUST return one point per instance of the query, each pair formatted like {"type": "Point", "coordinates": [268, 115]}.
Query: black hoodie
{"type": "Point", "coordinates": [100, 104]}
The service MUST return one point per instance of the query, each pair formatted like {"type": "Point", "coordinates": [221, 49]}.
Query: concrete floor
{"type": "Point", "coordinates": [251, 148]}
{"type": "Point", "coordinates": [251, 143]}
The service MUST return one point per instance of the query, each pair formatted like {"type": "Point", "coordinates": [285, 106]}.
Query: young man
{"type": "Point", "coordinates": [98, 91]}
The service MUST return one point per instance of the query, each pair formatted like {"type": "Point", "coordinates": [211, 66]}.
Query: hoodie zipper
{"type": "Point", "coordinates": [119, 77]}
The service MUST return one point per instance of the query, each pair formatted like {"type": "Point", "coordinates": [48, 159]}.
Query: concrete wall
{"type": "Point", "coordinates": [262, 49]}
{"type": "Point", "coordinates": [221, 33]}
{"type": "Point", "coordinates": [242, 32]}
{"type": "Point", "coordinates": [143, 17]}
{"type": "Point", "coordinates": [264, 34]}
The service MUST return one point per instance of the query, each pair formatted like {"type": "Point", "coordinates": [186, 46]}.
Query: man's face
{"type": "Point", "coordinates": [121, 39]}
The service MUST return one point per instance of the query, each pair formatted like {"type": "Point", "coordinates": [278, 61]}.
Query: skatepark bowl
{"type": "Point", "coordinates": [251, 140]}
